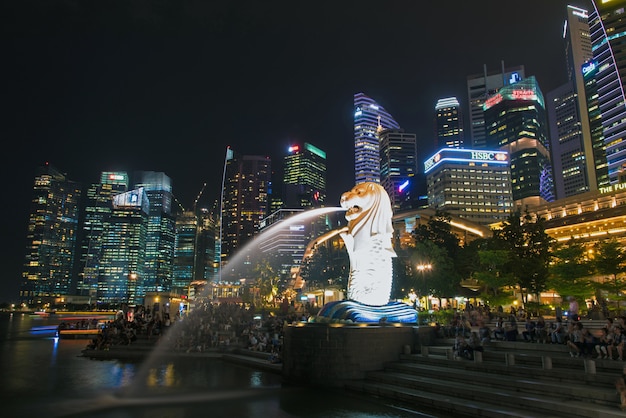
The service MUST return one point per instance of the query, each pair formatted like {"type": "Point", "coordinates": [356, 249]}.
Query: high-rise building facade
{"type": "Point", "coordinates": [589, 71]}
{"type": "Point", "coordinates": [161, 237]}
{"type": "Point", "coordinates": [608, 39]}
{"type": "Point", "coordinates": [123, 250]}
{"type": "Point", "coordinates": [246, 201]}
{"type": "Point", "coordinates": [398, 167]}
{"type": "Point", "coordinates": [51, 237]}
{"type": "Point", "coordinates": [516, 122]}
{"type": "Point", "coordinates": [449, 124]}
{"type": "Point", "coordinates": [575, 155]}
{"type": "Point", "coordinates": [304, 176]}
{"type": "Point", "coordinates": [98, 208]}
{"type": "Point", "coordinates": [185, 252]}
{"type": "Point", "coordinates": [207, 266]}
{"type": "Point", "coordinates": [287, 239]}
{"type": "Point", "coordinates": [479, 88]}
{"type": "Point", "coordinates": [568, 151]}
{"type": "Point", "coordinates": [369, 118]}
{"type": "Point", "coordinates": [471, 184]}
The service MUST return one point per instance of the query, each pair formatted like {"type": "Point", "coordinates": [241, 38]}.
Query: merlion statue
{"type": "Point", "coordinates": [368, 239]}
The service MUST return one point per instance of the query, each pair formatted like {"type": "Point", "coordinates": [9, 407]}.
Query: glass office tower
{"type": "Point", "coordinates": [98, 208]}
{"type": "Point", "coordinates": [608, 39]}
{"type": "Point", "coordinates": [245, 203]}
{"type": "Point", "coordinates": [185, 252]}
{"type": "Point", "coordinates": [577, 150]}
{"type": "Point", "coordinates": [449, 124]}
{"type": "Point", "coordinates": [123, 250]}
{"type": "Point", "coordinates": [368, 117]}
{"type": "Point", "coordinates": [471, 184]}
{"type": "Point", "coordinates": [515, 119]}
{"type": "Point", "coordinates": [479, 88]}
{"type": "Point", "coordinates": [398, 167]}
{"type": "Point", "coordinates": [161, 235]}
{"type": "Point", "coordinates": [51, 238]}
{"type": "Point", "coordinates": [304, 176]}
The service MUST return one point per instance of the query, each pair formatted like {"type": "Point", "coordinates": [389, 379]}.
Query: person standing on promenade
{"type": "Point", "coordinates": [573, 313]}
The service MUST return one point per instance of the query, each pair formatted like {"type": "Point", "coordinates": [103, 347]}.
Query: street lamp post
{"type": "Point", "coordinates": [422, 268]}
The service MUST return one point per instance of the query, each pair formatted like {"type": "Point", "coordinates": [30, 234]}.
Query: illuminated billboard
{"type": "Point", "coordinates": [133, 198]}
{"type": "Point", "coordinates": [466, 156]}
{"type": "Point", "coordinates": [524, 90]}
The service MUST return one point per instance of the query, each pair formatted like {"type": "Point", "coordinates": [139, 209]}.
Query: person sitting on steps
{"type": "Point", "coordinates": [557, 335]}
{"type": "Point", "coordinates": [510, 331]}
{"type": "Point", "coordinates": [529, 330]}
{"type": "Point", "coordinates": [462, 349]}
{"type": "Point", "coordinates": [541, 333]}
{"type": "Point", "coordinates": [618, 344]}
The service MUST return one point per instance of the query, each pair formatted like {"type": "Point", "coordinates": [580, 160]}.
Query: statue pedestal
{"type": "Point", "coordinates": [327, 354]}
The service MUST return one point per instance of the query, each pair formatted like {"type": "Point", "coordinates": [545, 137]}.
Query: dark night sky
{"type": "Point", "coordinates": [91, 86]}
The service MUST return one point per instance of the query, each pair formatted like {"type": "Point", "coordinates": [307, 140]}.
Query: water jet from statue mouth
{"type": "Point", "coordinates": [353, 210]}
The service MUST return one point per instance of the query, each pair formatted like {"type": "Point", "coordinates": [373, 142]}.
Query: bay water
{"type": "Point", "coordinates": [43, 376]}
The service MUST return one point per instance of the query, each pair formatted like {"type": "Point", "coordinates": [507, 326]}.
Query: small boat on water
{"type": "Point", "coordinates": [81, 328]}
{"type": "Point", "coordinates": [78, 333]}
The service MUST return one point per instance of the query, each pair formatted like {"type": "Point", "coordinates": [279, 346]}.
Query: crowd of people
{"type": "Point", "coordinates": [605, 343]}
{"type": "Point", "coordinates": [209, 326]}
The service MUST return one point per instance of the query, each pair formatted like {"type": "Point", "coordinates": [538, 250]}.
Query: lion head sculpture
{"type": "Point", "coordinates": [368, 206]}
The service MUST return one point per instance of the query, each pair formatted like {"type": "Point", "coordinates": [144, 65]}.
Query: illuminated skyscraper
{"type": "Point", "coordinates": [186, 247]}
{"type": "Point", "coordinates": [576, 154]}
{"type": "Point", "coordinates": [368, 116]}
{"type": "Point", "coordinates": [304, 186]}
{"type": "Point", "coordinates": [515, 119]}
{"type": "Point", "coordinates": [160, 238]}
{"type": "Point", "coordinates": [246, 202]}
{"type": "Point", "coordinates": [471, 184]}
{"type": "Point", "coordinates": [304, 176]}
{"type": "Point", "coordinates": [479, 88]}
{"type": "Point", "coordinates": [207, 248]}
{"type": "Point", "coordinates": [608, 40]}
{"type": "Point", "coordinates": [51, 238]}
{"type": "Point", "coordinates": [123, 250]}
{"type": "Point", "coordinates": [98, 208]}
{"type": "Point", "coordinates": [449, 124]}
{"type": "Point", "coordinates": [398, 167]}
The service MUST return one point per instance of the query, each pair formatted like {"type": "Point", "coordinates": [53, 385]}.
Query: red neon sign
{"type": "Point", "coordinates": [523, 94]}
{"type": "Point", "coordinates": [494, 100]}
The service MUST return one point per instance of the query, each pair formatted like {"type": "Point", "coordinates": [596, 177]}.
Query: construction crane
{"type": "Point", "coordinates": [198, 197]}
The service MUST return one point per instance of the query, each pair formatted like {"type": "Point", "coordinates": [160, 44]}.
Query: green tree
{"type": "Point", "coordinates": [438, 275]}
{"type": "Point", "coordinates": [438, 231]}
{"type": "Point", "coordinates": [326, 266]}
{"type": "Point", "coordinates": [491, 274]}
{"type": "Point", "coordinates": [529, 252]}
{"type": "Point", "coordinates": [267, 280]}
{"type": "Point", "coordinates": [610, 260]}
{"type": "Point", "coordinates": [570, 270]}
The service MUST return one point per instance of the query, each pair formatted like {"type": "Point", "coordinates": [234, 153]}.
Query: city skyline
{"type": "Point", "coordinates": [106, 88]}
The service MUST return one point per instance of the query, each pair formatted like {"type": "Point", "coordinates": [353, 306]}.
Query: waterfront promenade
{"type": "Point", "coordinates": [509, 379]}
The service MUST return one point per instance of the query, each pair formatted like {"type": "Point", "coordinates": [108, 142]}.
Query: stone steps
{"type": "Point", "coordinates": [491, 387]}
